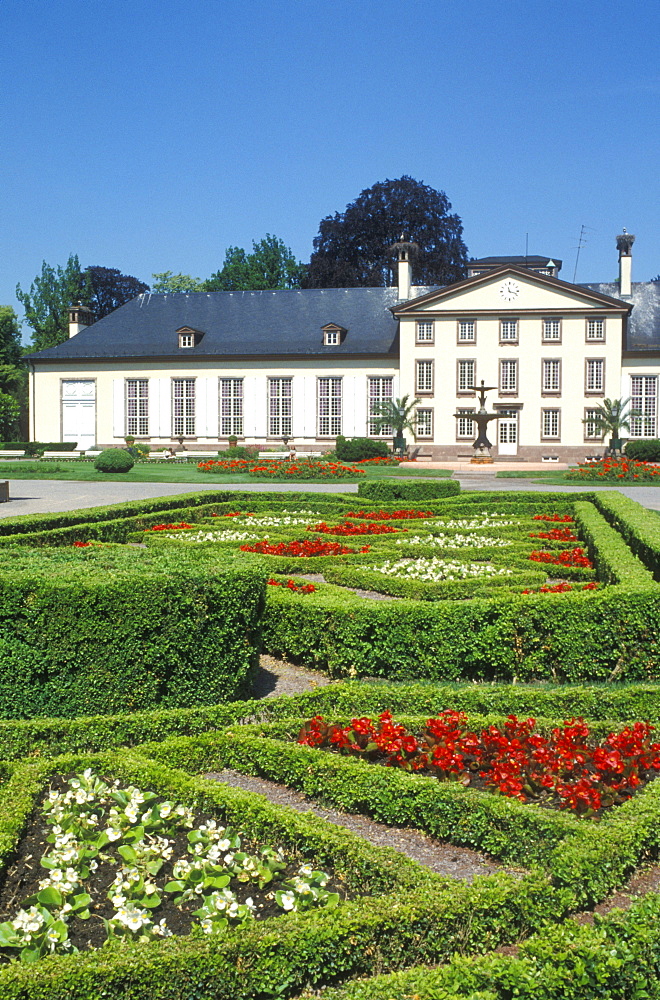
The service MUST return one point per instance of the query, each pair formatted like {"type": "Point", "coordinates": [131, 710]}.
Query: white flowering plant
{"type": "Point", "coordinates": [306, 891]}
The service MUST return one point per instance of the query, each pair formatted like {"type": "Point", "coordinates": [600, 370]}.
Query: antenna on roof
{"type": "Point", "coordinates": [526, 247]}
{"type": "Point", "coordinates": [581, 242]}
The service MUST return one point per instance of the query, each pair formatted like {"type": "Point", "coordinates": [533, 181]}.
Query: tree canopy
{"type": "Point", "coordinates": [167, 281]}
{"type": "Point", "coordinates": [111, 289]}
{"type": "Point", "coordinates": [354, 248]}
{"type": "Point", "coordinates": [10, 337]}
{"type": "Point", "coordinates": [47, 303]}
{"type": "Point", "coordinates": [270, 265]}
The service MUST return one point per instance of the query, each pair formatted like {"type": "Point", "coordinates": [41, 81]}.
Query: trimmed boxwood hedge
{"type": "Point", "coordinates": [416, 491]}
{"type": "Point", "coordinates": [102, 630]}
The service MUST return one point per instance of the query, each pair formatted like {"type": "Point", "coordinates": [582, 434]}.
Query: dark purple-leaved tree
{"type": "Point", "coordinates": [111, 289]}
{"type": "Point", "coordinates": [354, 247]}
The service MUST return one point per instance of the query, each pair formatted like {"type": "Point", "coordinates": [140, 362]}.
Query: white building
{"type": "Point", "coordinates": [311, 364]}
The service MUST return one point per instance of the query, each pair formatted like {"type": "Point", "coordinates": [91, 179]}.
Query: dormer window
{"type": "Point", "coordinates": [333, 335]}
{"type": "Point", "coordinates": [189, 337]}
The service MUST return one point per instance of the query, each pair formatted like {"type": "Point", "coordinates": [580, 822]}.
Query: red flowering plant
{"type": "Point", "coordinates": [568, 557]}
{"type": "Point", "coordinates": [612, 469]}
{"type": "Point", "coordinates": [81, 545]}
{"type": "Point", "coordinates": [563, 771]}
{"type": "Point", "coordinates": [304, 469]}
{"type": "Point", "coordinates": [231, 466]}
{"type": "Point", "coordinates": [558, 518]}
{"type": "Point", "coordinates": [561, 588]}
{"type": "Point", "coordinates": [556, 535]}
{"type": "Point", "coordinates": [353, 528]}
{"type": "Point", "coordinates": [297, 588]}
{"type": "Point", "coordinates": [394, 515]}
{"type": "Point", "coordinates": [303, 548]}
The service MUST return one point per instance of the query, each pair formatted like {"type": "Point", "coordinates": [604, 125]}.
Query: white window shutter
{"type": "Point", "coordinates": [200, 407]}
{"type": "Point", "coordinates": [165, 410]}
{"type": "Point", "coordinates": [118, 425]}
{"type": "Point", "coordinates": [211, 422]}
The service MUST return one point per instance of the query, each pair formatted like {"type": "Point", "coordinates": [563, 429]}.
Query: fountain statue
{"type": "Point", "coordinates": [482, 446]}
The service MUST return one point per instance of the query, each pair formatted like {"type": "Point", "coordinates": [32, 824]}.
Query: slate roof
{"type": "Point", "coordinates": [529, 261]}
{"type": "Point", "coordinates": [644, 320]}
{"type": "Point", "coordinates": [239, 324]}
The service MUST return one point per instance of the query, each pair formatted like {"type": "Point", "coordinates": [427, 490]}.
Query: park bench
{"type": "Point", "coordinates": [8, 453]}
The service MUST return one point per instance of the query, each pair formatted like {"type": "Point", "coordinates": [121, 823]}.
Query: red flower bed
{"type": "Point", "coordinates": [386, 515]}
{"type": "Point", "coordinates": [561, 588]}
{"type": "Point", "coordinates": [233, 465]}
{"type": "Point", "coordinates": [561, 518]}
{"type": "Point", "coordinates": [565, 771]}
{"type": "Point", "coordinates": [569, 557]}
{"type": "Point", "coordinates": [170, 527]}
{"type": "Point", "coordinates": [556, 535]}
{"type": "Point", "coordinates": [348, 528]}
{"type": "Point", "coordinates": [615, 468]}
{"type": "Point", "coordinates": [306, 547]}
{"type": "Point", "coordinates": [298, 588]}
{"type": "Point", "coordinates": [304, 469]}
{"type": "Point", "coordinates": [81, 545]}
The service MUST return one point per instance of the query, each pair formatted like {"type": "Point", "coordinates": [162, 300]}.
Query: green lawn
{"type": "Point", "coordinates": [559, 478]}
{"type": "Point", "coordinates": [179, 472]}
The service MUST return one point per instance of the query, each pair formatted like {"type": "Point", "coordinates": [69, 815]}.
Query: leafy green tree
{"type": "Point", "coordinates": [111, 289]}
{"type": "Point", "coordinates": [10, 411]}
{"type": "Point", "coordinates": [47, 303]}
{"type": "Point", "coordinates": [612, 417]}
{"type": "Point", "coordinates": [167, 281]}
{"type": "Point", "coordinates": [399, 414]}
{"type": "Point", "coordinates": [10, 337]}
{"type": "Point", "coordinates": [354, 248]}
{"type": "Point", "coordinates": [270, 265]}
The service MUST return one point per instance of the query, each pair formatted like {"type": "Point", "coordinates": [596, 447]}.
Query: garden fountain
{"type": "Point", "coordinates": [481, 454]}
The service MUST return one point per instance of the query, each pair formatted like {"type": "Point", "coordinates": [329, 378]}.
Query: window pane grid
{"type": "Point", "coordinates": [380, 389]}
{"type": "Point", "coordinates": [596, 329]}
{"type": "Point", "coordinates": [424, 423]}
{"type": "Point", "coordinates": [550, 423]}
{"type": "Point", "coordinates": [551, 376]}
{"type": "Point", "coordinates": [466, 330]}
{"type": "Point", "coordinates": [279, 407]}
{"type": "Point", "coordinates": [231, 406]}
{"type": "Point", "coordinates": [137, 406]}
{"type": "Point", "coordinates": [425, 331]}
{"type": "Point", "coordinates": [594, 382]}
{"type": "Point", "coordinates": [591, 428]}
{"type": "Point", "coordinates": [509, 329]}
{"type": "Point", "coordinates": [466, 375]}
{"type": "Point", "coordinates": [183, 410]}
{"type": "Point", "coordinates": [424, 376]}
{"type": "Point", "coordinates": [329, 403]}
{"type": "Point", "coordinates": [508, 376]}
{"type": "Point", "coordinates": [552, 329]}
{"type": "Point", "coordinates": [643, 397]}
{"type": "Point", "coordinates": [464, 426]}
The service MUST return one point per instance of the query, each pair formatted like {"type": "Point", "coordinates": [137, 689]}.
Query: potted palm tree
{"type": "Point", "coordinates": [612, 417]}
{"type": "Point", "coordinates": [398, 414]}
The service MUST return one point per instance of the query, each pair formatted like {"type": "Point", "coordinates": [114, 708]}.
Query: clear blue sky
{"type": "Point", "coordinates": [149, 135]}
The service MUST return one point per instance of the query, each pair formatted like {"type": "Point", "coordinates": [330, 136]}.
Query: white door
{"type": "Point", "coordinates": [79, 412]}
{"type": "Point", "coordinates": [507, 434]}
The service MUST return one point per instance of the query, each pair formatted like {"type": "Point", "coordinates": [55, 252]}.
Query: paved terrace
{"type": "Point", "coordinates": [37, 496]}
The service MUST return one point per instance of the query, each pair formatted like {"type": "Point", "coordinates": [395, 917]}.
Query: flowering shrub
{"type": "Point", "coordinates": [233, 466]}
{"type": "Point", "coordinates": [95, 824]}
{"type": "Point", "coordinates": [305, 469]}
{"type": "Point", "coordinates": [556, 535]}
{"type": "Point", "coordinates": [213, 536]}
{"type": "Point", "coordinates": [561, 588]}
{"type": "Point", "coordinates": [434, 570]}
{"type": "Point", "coordinates": [297, 588]}
{"type": "Point", "coordinates": [350, 528]}
{"type": "Point", "coordinates": [303, 548]}
{"type": "Point", "coordinates": [569, 557]}
{"type": "Point", "coordinates": [394, 515]}
{"type": "Point", "coordinates": [81, 545]}
{"type": "Point", "coordinates": [170, 527]}
{"type": "Point", "coordinates": [559, 518]}
{"type": "Point", "coordinates": [613, 469]}
{"type": "Point", "coordinates": [565, 770]}
{"type": "Point", "coordinates": [455, 541]}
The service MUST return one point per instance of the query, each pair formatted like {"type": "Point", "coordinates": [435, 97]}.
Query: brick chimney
{"type": "Point", "coordinates": [624, 244]}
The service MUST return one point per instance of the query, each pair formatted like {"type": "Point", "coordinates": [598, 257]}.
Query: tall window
{"type": "Point", "coordinates": [590, 425]}
{"type": "Point", "coordinates": [183, 407]}
{"type": "Point", "coordinates": [551, 376]}
{"type": "Point", "coordinates": [467, 331]}
{"type": "Point", "coordinates": [596, 328]}
{"type": "Point", "coordinates": [424, 380]}
{"type": "Point", "coordinates": [231, 407]}
{"type": "Point", "coordinates": [509, 330]}
{"type": "Point", "coordinates": [425, 332]}
{"type": "Point", "coordinates": [279, 407]}
{"type": "Point", "coordinates": [466, 374]}
{"type": "Point", "coordinates": [137, 406]}
{"type": "Point", "coordinates": [550, 424]}
{"type": "Point", "coordinates": [595, 376]}
{"type": "Point", "coordinates": [552, 329]}
{"type": "Point", "coordinates": [424, 423]}
{"type": "Point", "coordinates": [329, 407]}
{"type": "Point", "coordinates": [380, 389]}
{"type": "Point", "coordinates": [465, 428]}
{"type": "Point", "coordinates": [644, 397]}
{"type": "Point", "coordinates": [508, 376]}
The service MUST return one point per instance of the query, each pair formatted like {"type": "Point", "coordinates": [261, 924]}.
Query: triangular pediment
{"type": "Point", "coordinates": [509, 288]}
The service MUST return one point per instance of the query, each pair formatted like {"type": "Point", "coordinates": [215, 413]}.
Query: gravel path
{"type": "Point", "coordinates": [445, 859]}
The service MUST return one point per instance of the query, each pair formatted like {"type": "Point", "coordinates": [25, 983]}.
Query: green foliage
{"type": "Point", "coordinates": [399, 414]}
{"type": "Point", "coordinates": [270, 265]}
{"type": "Point", "coordinates": [612, 416]}
{"type": "Point", "coordinates": [9, 413]}
{"type": "Point", "coordinates": [10, 337]}
{"type": "Point", "coordinates": [102, 630]}
{"type": "Point", "coordinates": [415, 491]}
{"type": "Point", "coordinates": [166, 281]}
{"type": "Point", "coordinates": [47, 303]}
{"type": "Point", "coordinates": [357, 449]}
{"type": "Point", "coordinates": [114, 460]}
{"type": "Point", "coordinates": [639, 527]}
{"type": "Point", "coordinates": [643, 451]}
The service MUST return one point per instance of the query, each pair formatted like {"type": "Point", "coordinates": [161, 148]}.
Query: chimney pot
{"type": "Point", "coordinates": [624, 244]}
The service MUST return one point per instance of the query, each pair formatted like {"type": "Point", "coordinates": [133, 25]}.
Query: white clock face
{"type": "Point", "coordinates": [509, 290]}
